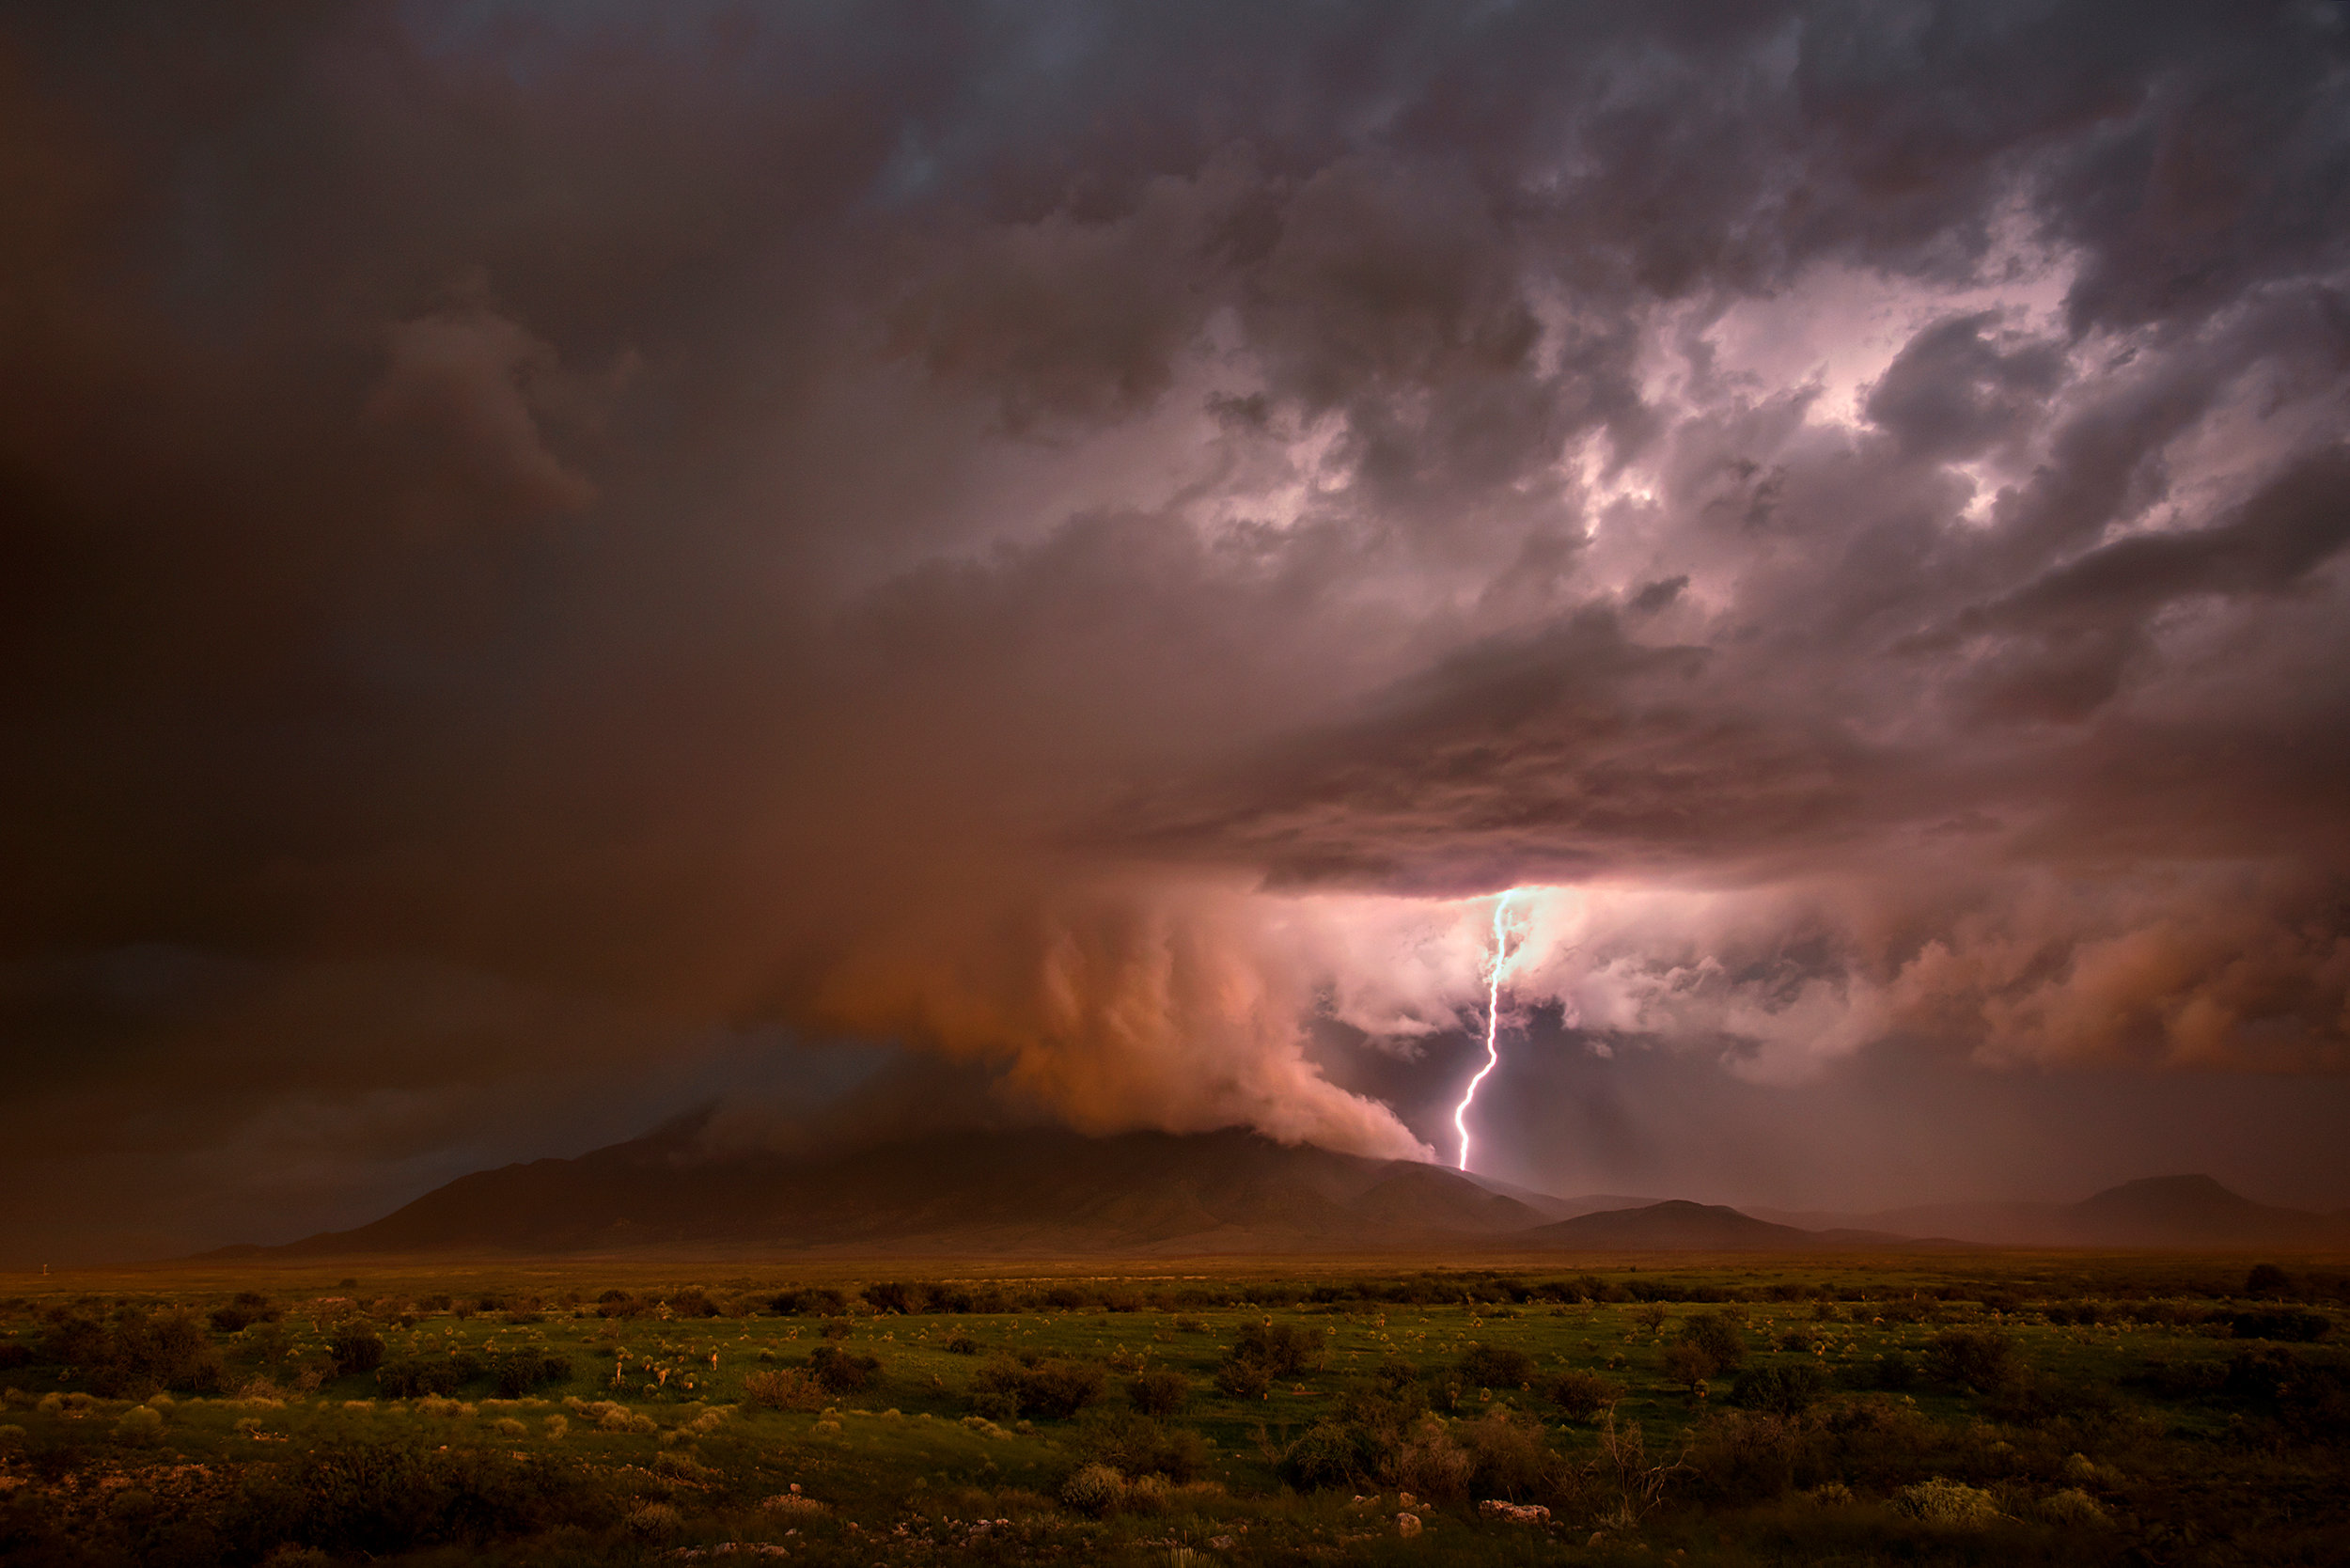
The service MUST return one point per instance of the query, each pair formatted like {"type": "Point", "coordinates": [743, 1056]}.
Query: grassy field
{"type": "Point", "coordinates": [1979, 1410]}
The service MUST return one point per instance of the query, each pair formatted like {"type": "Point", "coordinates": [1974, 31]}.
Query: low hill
{"type": "Point", "coordinates": [1679, 1226]}
{"type": "Point", "coordinates": [2185, 1212]}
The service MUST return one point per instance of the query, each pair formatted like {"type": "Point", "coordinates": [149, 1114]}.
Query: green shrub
{"type": "Point", "coordinates": [1583, 1394]}
{"type": "Point", "coordinates": [810, 1301]}
{"type": "Point", "coordinates": [1137, 1446]}
{"type": "Point", "coordinates": [139, 1425]}
{"type": "Point", "coordinates": [423, 1376]}
{"type": "Point", "coordinates": [382, 1499]}
{"type": "Point", "coordinates": [136, 1353]}
{"type": "Point", "coordinates": [516, 1373]}
{"type": "Point", "coordinates": [892, 1297]}
{"type": "Point", "coordinates": [1242, 1379]}
{"type": "Point", "coordinates": [1496, 1367]}
{"type": "Point", "coordinates": [1718, 1338]}
{"type": "Point", "coordinates": [244, 1310]}
{"type": "Point", "coordinates": [1979, 1359]}
{"type": "Point", "coordinates": [1326, 1455]}
{"type": "Point", "coordinates": [1282, 1349]}
{"type": "Point", "coordinates": [1158, 1390]}
{"type": "Point", "coordinates": [963, 1344]}
{"type": "Point", "coordinates": [2308, 1398]}
{"type": "Point", "coordinates": [354, 1349]}
{"type": "Point", "coordinates": [2287, 1325]}
{"type": "Point", "coordinates": [842, 1371]}
{"type": "Point", "coordinates": [1788, 1390]}
{"type": "Point", "coordinates": [1687, 1364]}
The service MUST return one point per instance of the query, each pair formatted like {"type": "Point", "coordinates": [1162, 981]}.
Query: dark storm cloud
{"type": "Point", "coordinates": [550, 546]}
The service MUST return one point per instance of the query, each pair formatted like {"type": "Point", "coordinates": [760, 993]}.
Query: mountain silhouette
{"type": "Point", "coordinates": [1046, 1192]}
{"type": "Point", "coordinates": [1039, 1191]}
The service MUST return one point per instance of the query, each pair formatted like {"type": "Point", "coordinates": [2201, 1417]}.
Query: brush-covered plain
{"type": "Point", "coordinates": [2020, 1409]}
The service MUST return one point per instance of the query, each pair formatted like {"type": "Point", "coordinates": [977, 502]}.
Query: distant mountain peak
{"type": "Point", "coordinates": [2155, 1194]}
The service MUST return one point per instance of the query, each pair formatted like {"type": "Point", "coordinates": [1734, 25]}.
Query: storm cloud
{"type": "Point", "coordinates": [558, 564]}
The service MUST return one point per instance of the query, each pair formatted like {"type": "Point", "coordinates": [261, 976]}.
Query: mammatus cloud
{"type": "Point", "coordinates": [584, 550]}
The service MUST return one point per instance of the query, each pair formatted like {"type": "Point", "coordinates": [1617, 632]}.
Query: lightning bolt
{"type": "Point", "coordinates": [1493, 1021]}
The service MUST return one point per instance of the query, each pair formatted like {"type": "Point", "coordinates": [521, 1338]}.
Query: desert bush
{"type": "Point", "coordinates": [1686, 1364]}
{"type": "Point", "coordinates": [2166, 1379]}
{"type": "Point", "coordinates": [2074, 1509]}
{"type": "Point", "coordinates": [893, 1297]}
{"type": "Point", "coordinates": [244, 1308]}
{"type": "Point", "coordinates": [2307, 1397]}
{"type": "Point", "coordinates": [516, 1373]}
{"type": "Point", "coordinates": [1508, 1456]}
{"type": "Point", "coordinates": [842, 1371]}
{"type": "Point", "coordinates": [1747, 1457]}
{"type": "Point", "coordinates": [1282, 1349]}
{"type": "Point", "coordinates": [1788, 1390]}
{"type": "Point", "coordinates": [1326, 1455]}
{"type": "Point", "coordinates": [1496, 1367]}
{"type": "Point", "coordinates": [783, 1389]}
{"type": "Point", "coordinates": [963, 1344]}
{"type": "Point", "coordinates": [1583, 1394]}
{"type": "Point", "coordinates": [355, 1348]}
{"type": "Point", "coordinates": [1948, 1505]}
{"type": "Point", "coordinates": [1718, 1336]}
{"type": "Point", "coordinates": [382, 1499]}
{"type": "Point", "coordinates": [1137, 1446]}
{"type": "Point", "coordinates": [1158, 1391]}
{"type": "Point", "coordinates": [655, 1521]}
{"type": "Point", "coordinates": [836, 1328]}
{"type": "Point", "coordinates": [610, 1417]}
{"type": "Point", "coordinates": [1058, 1389]}
{"type": "Point", "coordinates": [2266, 1281]}
{"type": "Point", "coordinates": [1428, 1463]}
{"type": "Point", "coordinates": [2287, 1325]}
{"type": "Point", "coordinates": [427, 1376]}
{"type": "Point", "coordinates": [1094, 1489]}
{"type": "Point", "coordinates": [1242, 1379]}
{"type": "Point", "coordinates": [1626, 1477]}
{"type": "Point", "coordinates": [139, 1425]}
{"type": "Point", "coordinates": [1979, 1359]}
{"type": "Point", "coordinates": [135, 1352]}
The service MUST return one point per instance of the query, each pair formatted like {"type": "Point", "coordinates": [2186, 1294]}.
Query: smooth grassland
{"type": "Point", "coordinates": [1951, 1408]}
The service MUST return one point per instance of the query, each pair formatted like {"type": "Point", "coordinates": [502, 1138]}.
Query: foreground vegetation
{"type": "Point", "coordinates": [2030, 1410]}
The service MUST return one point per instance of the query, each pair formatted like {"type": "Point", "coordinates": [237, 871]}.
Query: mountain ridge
{"type": "Point", "coordinates": [1053, 1192]}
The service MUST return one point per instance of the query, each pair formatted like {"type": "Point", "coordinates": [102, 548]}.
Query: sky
{"type": "Point", "coordinates": [891, 566]}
